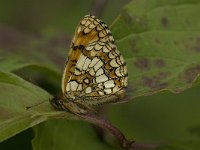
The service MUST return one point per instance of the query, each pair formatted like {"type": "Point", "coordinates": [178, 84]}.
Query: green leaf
{"type": "Point", "coordinates": [34, 72]}
{"type": "Point", "coordinates": [15, 95]}
{"type": "Point", "coordinates": [162, 49]}
{"type": "Point", "coordinates": [195, 130]}
{"type": "Point", "coordinates": [139, 16]}
{"type": "Point", "coordinates": [67, 134]}
{"type": "Point", "coordinates": [12, 64]}
{"type": "Point", "coordinates": [188, 145]}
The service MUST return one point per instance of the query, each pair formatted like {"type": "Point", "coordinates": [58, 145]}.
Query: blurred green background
{"type": "Point", "coordinates": [28, 26]}
{"type": "Point", "coordinates": [45, 16]}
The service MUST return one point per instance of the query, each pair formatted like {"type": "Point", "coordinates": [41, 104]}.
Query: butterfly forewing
{"type": "Point", "coordinates": [95, 71]}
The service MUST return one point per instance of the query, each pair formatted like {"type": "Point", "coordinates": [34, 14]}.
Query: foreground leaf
{"type": "Point", "coordinates": [16, 64]}
{"type": "Point", "coordinates": [66, 134]}
{"type": "Point", "coordinates": [15, 95]}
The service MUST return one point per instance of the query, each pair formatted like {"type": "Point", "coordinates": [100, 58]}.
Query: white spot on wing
{"type": "Point", "coordinates": [79, 87]}
{"type": "Point", "coordinates": [109, 84]}
{"type": "Point", "coordinates": [105, 49]}
{"type": "Point", "coordinates": [111, 38]}
{"type": "Point", "coordinates": [94, 53]}
{"type": "Point", "coordinates": [87, 30]}
{"type": "Point", "coordinates": [89, 48]}
{"type": "Point", "coordinates": [121, 59]}
{"type": "Point", "coordinates": [91, 26]}
{"type": "Point", "coordinates": [68, 87]}
{"type": "Point", "coordinates": [113, 63]}
{"type": "Point", "coordinates": [115, 89]}
{"type": "Point", "coordinates": [81, 62]}
{"type": "Point", "coordinates": [86, 64]}
{"type": "Point", "coordinates": [97, 47]}
{"type": "Point", "coordinates": [74, 85]}
{"type": "Point", "coordinates": [101, 78]}
{"type": "Point", "coordinates": [111, 55]}
{"type": "Point", "coordinates": [98, 65]}
{"type": "Point", "coordinates": [94, 61]}
{"type": "Point", "coordinates": [88, 90]}
{"type": "Point", "coordinates": [92, 72]}
{"type": "Point", "coordinates": [79, 29]}
{"type": "Point", "coordinates": [83, 21]}
{"type": "Point", "coordinates": [99, 72]}
{"type": "Point", "coordinates": [119, 72]}
{"type": "Point", "coordinates": [87, 23]}
{"type": "Point", "coordinates": [125, 81]}
{"type": "Point", "coordinates": [101, 93]}
{"type": "Point", "coordinates": [108, 91]}
{"type": "Point", "coordinates": [100, 86]}
{"type": "Point", "coordinates": [99, 27]}
{"type": "Point", "coordinates": [102, 34]}
{"type": "Point", "coordinates": [86, 80]}
{"type": "Point", "coordinates": [77, 72]}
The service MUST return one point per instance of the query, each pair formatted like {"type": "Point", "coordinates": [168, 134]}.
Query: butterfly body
{"type": "Point", "coordinates": [95, 71]}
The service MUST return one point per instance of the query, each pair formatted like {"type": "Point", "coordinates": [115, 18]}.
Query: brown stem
{"type": "Point", "coordinates": [106, 125]}
{"type": "Point", "coordinates": [98, 7]}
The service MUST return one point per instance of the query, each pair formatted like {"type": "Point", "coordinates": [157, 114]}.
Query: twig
{"type": "Point", "coordinates": [98, 7]}
{"type": "Point", "coordinates": [106, 125]}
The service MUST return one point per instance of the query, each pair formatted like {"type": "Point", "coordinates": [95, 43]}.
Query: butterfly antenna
{"type": "Point", "coordinates": [29, 107]}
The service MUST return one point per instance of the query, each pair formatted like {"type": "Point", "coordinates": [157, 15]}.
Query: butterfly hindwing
{"type": "Point", "coordinates": [95, 70]}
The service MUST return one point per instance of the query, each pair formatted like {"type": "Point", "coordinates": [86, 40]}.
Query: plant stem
{"type": "Point", "coordinates": [106, 125]}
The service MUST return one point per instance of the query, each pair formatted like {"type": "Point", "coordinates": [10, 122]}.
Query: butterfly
{"type": "Point", "coordinates": [95, 72]}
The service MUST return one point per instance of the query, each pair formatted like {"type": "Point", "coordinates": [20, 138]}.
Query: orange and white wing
{"type": "Point", "coordinates": [95, 70]}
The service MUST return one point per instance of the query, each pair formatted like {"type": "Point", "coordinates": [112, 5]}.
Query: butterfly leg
{"type": "Point", "coordinates": [70, 106]}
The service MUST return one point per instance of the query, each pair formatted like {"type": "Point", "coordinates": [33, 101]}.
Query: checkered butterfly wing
{"type": "Point", "coordinates": [95, 70]}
